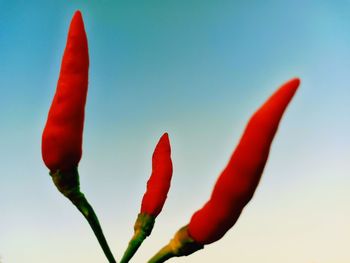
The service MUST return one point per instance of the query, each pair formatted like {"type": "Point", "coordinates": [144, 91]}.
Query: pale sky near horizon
{"type": "Point", "coordinates": [198, 70]}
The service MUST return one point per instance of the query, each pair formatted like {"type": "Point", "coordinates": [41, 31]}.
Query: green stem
{"type": "Point", "coordinates": [133, 246]}
{"type": "Point", "coordinates": [68, 184]}
{"type": "Point", "coordinates": [142, 229]}
{"type": "Point", "coordinates": [181, 245]}
{"type": "Point", "coordinates": [86, 209]}
{"type": "Point", "coordinates": [163, 255]}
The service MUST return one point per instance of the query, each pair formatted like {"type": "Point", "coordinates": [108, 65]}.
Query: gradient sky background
{"type": "Point", "coordinates": [198, 70]}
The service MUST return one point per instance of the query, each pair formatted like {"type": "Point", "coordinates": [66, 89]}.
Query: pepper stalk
{"type": "Point", "coordinates": [68, 184]}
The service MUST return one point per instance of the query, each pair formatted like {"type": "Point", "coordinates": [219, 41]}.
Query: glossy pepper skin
{"type": "Point", "coordinates": [63, 133]}
{"type": "Point", "coordinates": [238, 181]}
{"type": "Point", "coordinates": [154, 198]}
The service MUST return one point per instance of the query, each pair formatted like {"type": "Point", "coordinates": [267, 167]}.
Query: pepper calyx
{"type": "Point", "coordinates": [182, 244]}
{"type": "Point", "coordinates": [144, 223]}
{"type": "Point", "coordinates": [67, 182]}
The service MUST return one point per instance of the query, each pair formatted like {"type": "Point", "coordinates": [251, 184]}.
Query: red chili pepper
{"type": "Point", "coordinates": [159, 183]}
{"type": "Point", "coordinates": [153, 200]}
{"type": "Point", "coordinates": [237, 183]}
{"type": "Point", "coordinates": [63, 133]}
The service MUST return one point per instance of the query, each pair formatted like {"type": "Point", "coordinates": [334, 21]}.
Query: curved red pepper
{"type": "Point", "coordinates": [237, 183]}
{"type": "Point", "coordinates": [153, 200]}
{"type": "Point", "coordinates": [63, 132]}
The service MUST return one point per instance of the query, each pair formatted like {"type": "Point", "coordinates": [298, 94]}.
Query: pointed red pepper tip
{"type": "Point", "coordinates": [164, 138]}
{"type": "Point", "coordinates": [163, 143]}
{"type": "Point", "coordinates": [77, 24]}
{"type": "Point", "coordinates": [77, 13]}
{"type": "Point", "coordinates": [288, 89]}
{"type": "Point", "coordinates": [279, 100]}
{"type": "Point", "coordinates": [77, 18]}
{"type": "Point", "coordinates": [293, 84]}
{"type": "Point", "coordinates": [295, 81]}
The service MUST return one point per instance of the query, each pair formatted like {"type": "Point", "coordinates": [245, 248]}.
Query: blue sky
{"type": "Point", "coordinates": [198, 70]}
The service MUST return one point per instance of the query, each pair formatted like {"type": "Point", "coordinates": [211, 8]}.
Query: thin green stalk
{"type": "Point", "coordinates": [142, 229]}
{"type": "Point", "coordinates": [68, 184]}
{"type": "Point", "coordinates": [163, 255]}
{"type": "Point", "coordinates": [133, 246]}
{"type": "Point", "coordinates": [181, 245]}
{"type": "Point", "coordinates": [86, 209]}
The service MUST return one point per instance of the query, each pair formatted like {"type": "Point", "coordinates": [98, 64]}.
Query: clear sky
{"type": "Point", "coordinates": [198, 70]}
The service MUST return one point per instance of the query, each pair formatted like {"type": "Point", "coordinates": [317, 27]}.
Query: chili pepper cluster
{"type": "Point", "coordinates": [234, 188]}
